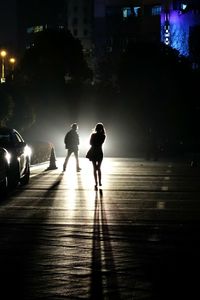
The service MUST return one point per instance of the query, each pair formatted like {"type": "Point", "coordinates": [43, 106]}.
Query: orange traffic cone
{"type": "Point", "coordinates": [52, 164]}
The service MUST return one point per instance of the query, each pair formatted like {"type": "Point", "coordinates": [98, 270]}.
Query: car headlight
{"type": "Point", "coordinates": [8, 157]}
{"type": "Point", "coordinates": [27, 151]}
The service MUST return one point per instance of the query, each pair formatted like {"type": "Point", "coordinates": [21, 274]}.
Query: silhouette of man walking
{"type": "Point", "coordinates": [71, 141]}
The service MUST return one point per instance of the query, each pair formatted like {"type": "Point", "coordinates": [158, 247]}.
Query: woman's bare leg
{"type": "Point", "coordinates": [99, 171]}
{"type": "Point", "coordinates": [95, 173]}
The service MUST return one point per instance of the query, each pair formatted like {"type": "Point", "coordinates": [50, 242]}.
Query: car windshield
{"type": "Point", "coordinates": [5, 139]}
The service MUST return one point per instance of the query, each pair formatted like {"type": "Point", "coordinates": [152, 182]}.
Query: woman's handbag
{"type": "Point", "coordinates": [90, 154]}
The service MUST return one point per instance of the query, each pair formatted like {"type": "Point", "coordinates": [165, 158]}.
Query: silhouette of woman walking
{"type": "Point", "coordinates": [95, 153]}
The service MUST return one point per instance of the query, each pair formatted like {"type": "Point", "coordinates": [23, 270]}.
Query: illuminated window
{"type": "Point", "coordinates": [34, 29]}
{"type": "Point", "coordinates": [179, 5]}
{"type": "Point", "coordinates": [38, 29]}
{"type": "Point", "coordinates": [183, 6]}
{"type": "Point", "coordinates": [136, 10]}
{"type": "Point", "coordinates": [131, 11]}
{"type": "Point", "coordinates": [126, 12]}
{"type": "Point", "coordinates": [156, 10]}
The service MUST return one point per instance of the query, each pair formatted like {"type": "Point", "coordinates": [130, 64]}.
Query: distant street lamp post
{"type": "Point", "coordinates": [3, 55]}
{"type": "Point", "coordinates": [12, 61]}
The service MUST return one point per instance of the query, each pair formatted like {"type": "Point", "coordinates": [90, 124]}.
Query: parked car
{"type": "Point", "coordinates": [15, 157]}
{"type": "Point", "coordinates": [4, 167]}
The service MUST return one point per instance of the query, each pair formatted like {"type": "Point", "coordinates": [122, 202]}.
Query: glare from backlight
{"type": "Point", "coordinates": [27, 151]}
{"type": "Point", "coordinates": [84, 144]}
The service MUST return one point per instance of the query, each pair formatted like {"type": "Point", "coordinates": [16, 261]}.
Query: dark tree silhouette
{"type": "Point", "coordinates": [7, 106]}
{"type": "Point", "coordinates": [24, 112]}
{"type": "Point", "coordinates": [16, 110]}
{"type": "Point", "coordinates": [55, 57]}
{"type": "Point", "coordinates": [155, 83]}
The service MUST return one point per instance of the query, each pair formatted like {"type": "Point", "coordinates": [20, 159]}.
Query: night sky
{"type": "Point", "coordinates": [8, 23]}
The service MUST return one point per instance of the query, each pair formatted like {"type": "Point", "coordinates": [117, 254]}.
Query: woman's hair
{"type": "Point", "coordinates": [100, 128]}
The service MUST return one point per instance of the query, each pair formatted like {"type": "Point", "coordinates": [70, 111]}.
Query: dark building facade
{"type": "Point", "coordinates": [79, 20]}
{"type": "Point", "coordinates": [36, 15]}
{"type": "Point", "coordinates": [119, 21]}
{"type": "Point", "coordinates": [169, 21]}
{"type": "Point", "coordinates": [103, 25]}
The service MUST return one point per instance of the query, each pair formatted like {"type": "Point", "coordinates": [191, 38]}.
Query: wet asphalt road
{"type": "Point", "coordinates": [137, 238]}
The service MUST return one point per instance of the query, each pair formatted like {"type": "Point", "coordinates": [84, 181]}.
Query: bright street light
{"type": "Point", "coordinates": [3, 54]}
{"type": "Point", "coordinates": [12, 60]}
